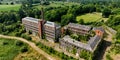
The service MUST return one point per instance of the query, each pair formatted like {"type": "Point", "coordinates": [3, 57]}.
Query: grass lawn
{"type": "Point", "coordinates": [91, 17]}
{"type": "Point", "coordinates": [9, 7]}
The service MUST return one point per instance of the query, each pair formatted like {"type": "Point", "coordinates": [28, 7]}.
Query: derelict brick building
{"type": "Point", "coordinates": [34, 25]}
{"type": "Point", "coordinates": [52, 31]}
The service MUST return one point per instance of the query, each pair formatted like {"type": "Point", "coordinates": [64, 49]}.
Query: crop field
{"type": "Point", "coordinates": [9, 7]}
{"type": "Point", "coordinates": [91, 17]}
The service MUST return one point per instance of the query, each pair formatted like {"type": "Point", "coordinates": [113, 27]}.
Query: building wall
{"type": "Point", "coordinates": [50, 33]}
{"type": "Point", "coordinates": [78, 31]}
{"type": "Point", "coordinates": [69, 47]}
{"type": "Point", "coordinates": [30, 26]}
{"type": "Point", "coordinates": [34, 27]}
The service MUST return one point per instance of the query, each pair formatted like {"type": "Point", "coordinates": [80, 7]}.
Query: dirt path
{"type": "Point", "coordinates": [30, 44]}
{"type": "Point", "coordinates": [116, 57]}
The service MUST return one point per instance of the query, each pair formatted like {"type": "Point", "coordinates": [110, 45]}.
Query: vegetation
{"type": "Point", "coordinates": [10, 7]}
{"type": "Point", "coordinates": [86, 55]}
{"type": "Point", "coordinates": [62, 13]}
{"type": "Point", "coordinates": [108, 57]}
{"type": "Point", "coordinates": [53, 52]}
{"type": "Point", "coordinates": [90, 17]}
{"type": "Point", "coordinates": [80, 38]}
{"type": "Point", "coordinates": [9, 49]}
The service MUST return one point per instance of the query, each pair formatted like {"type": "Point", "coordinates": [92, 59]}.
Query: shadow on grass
{"type": "Point", "coordinates": [99, 54]}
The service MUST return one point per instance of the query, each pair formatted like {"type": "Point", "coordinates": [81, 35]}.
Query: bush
{"type": "Point", "coordinates": [86, 55]}
{"type": "Point", "coordinates": [18, 34]}
{"type": "Point", "coordinates": [108, 57]}
{"type": "Point", "coordinates": [19, 43]}
{"type": "Point", "coordinates": [24, 49]}
{"type": "Point", "coordinates": [5, 43]}
{"type": "Point", "coordinates": [12, 3]}
{"type": "Point", "coordinates": [26, 37]}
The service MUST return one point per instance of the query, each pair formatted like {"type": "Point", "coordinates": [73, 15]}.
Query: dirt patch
{"type": "Point", "coordinates": [116, 57]}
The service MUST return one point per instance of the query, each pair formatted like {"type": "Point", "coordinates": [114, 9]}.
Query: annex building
{"type": "Point", "coordinates": [68, 44]}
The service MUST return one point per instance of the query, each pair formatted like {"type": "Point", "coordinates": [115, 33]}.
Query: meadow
{"type": "Point", "coordinates": [8, 49]}
{"type": "Point", "coordinates": [91, 17]}
{"type": "Point", "coordinates": [10, 7]}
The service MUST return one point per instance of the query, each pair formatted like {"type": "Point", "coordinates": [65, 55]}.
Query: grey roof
{"type": "Point", "coordinates": [52, 24]}
{"type": "Point", "coordinates": [72, 41]}
{"type": "Point", "coordinates": [90, 46]}
{"type": "Point", "coordinates": [31, 19]}
{"type": "Point", "coordinates": [94, 41]}
{"type": "Point", "coordinates": [78, 26]}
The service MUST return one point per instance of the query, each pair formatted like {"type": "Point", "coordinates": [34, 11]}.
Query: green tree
{"type": "Point", "coordinates": [81, 21]}
{"type": "Point", "coordinates": [67, 18]}
{"type": "Point", "coordinates": [106, 12]}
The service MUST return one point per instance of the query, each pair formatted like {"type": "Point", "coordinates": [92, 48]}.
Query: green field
{"type": "Point", "coordinates": [57, 4]}
{"type": "Point", "coordinates": [52, 4]}
{"type": "Point", "coordinates": [91, 17]}
{"type": "Point", "coordinates": [8, 49]}
{"type": "Point", "coordinates": [9, 7]}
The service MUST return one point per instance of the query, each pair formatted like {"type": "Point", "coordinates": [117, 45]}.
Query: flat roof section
{"type": "Point", "coordinates": [31, 19]}
{"type": "Point", "coordinates": [52, 24]}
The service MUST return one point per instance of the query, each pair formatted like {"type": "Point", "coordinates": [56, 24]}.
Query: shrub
{"type": "Point", "coordinates": [26, 37]}
{"type": "Point", "coordinates": [5, 43]}
{"type": "Point", "coordinates": [19, 43]}
{"type": "Point", "coordinates": [108, 57]}
{"type": "Point", "coordinates": [12, 3]}
{"type": "Point", "coordinates": [24, 49]}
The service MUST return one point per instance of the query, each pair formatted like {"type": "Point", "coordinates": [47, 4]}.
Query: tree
{"type": "Point", "coordinates": [19, 43]}
{"type": "Point", "coordinates": [24, 49]}
{"type": "Point", "coordinates": [52, 15]}
{"type": "Point", "coordinates": [67, 18]}
{"type": "Point", "coordinates": [12, 3]}
{"type": "Point", "coordinates": [106, 12]}
{"type": "Point", "coordinates": [81, 21]}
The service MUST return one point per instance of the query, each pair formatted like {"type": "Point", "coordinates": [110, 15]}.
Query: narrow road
{"type": "Point", "coordinates": [30, 44]}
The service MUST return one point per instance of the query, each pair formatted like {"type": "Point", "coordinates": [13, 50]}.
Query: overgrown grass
{"type": "Point", "coordinates": [9, 7]}
{"type": "Point", "coordinates": [91, 17]}
{"type": "Point", "coordinates": [9, 49]}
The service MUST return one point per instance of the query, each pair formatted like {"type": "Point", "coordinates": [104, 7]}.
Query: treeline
{"type": "Point", "coordinates": [67, 14]}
